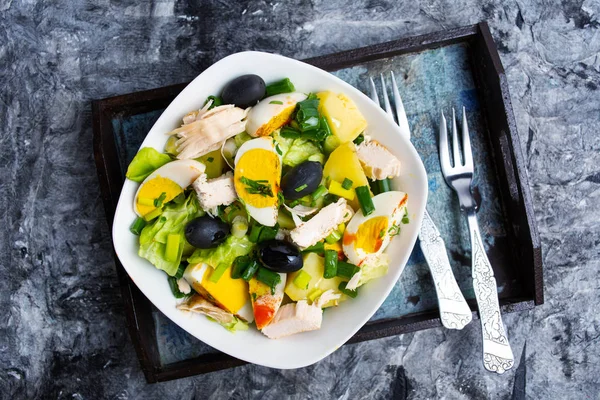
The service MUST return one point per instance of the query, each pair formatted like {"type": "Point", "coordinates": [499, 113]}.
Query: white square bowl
{"type": "Point", "coordinates": [339, 323]}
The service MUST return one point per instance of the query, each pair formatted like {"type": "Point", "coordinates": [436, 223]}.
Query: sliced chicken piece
{"type": "Point", "coordinates": [264, 303]}
{"type": "Point", "coordinates": [322, 224]}
{"type": "Point", "coordinates": [377, 161]}
{"type": "Point", "coordinates": [200, 305]}
{"type": "Point", "coordinates": [294, 318]}
{"type": "Point", "coordinates": [215, 192]}
{"type": "Point", "coordinates": [209, 130]}
{"type": "Point", "coordinates": [299, 317]}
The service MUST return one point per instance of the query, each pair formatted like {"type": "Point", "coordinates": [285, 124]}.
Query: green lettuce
{"type": "Point", "coordinates": [153, 238]}
{"type": "Point", "coordinates": [234, 326]}
{"type": "Point", "coordinates": [374, 269]}
{"type": "Point", "coordinates": [296, 151]}
{"type": "Point", "coordinates": [145, 162]}
{"type": "Point", "coordinates": [225, 253]}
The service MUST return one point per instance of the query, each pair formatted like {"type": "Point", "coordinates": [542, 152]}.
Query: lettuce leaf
{"type": "Point", "coordinates": [153, 238]}
{"type": "Point", "coordinates": [225, 253]}
{"type": "Point", "coordinates": [296, 151]}
{"type": "Point", "coordinates": [374, 269]}
{"type": "Point", "coordinates": [145, 162]}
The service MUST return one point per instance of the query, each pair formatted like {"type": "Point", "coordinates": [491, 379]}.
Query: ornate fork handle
{"type": "Point", "coordinates": [454, 310]}
{"type": "Point", "coordinates": [497, 354]}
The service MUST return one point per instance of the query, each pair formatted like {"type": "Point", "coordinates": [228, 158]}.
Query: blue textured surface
{"type": "Point", "coordinates": [429, 81]}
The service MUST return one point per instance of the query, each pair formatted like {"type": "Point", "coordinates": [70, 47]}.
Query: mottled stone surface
{"type": "Point", "coordinates": [62, 328]}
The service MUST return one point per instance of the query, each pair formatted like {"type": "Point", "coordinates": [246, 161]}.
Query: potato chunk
{"type": "Point", "coordinates": [344, 119]}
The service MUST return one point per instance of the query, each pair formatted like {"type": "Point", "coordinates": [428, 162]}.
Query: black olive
{"type": "Point", "coordinates": [301, 180]}
{"type": "Point", "coordinates": [206, 232]}
{"type": "Point", "coordinates": [280, 256]}
{"type": "Point", "coordinates": [244, 91]}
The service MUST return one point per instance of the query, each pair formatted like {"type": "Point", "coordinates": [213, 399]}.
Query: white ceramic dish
{"type": "Point", "coordinates": [340, 323]}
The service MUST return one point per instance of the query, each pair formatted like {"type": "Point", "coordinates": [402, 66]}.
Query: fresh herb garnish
{"type": "Point", "coordinates": [210, 159]}
{"type": "Point", "coordinates": [405, 219]}
{"type": "Point", "coordinates": [347, 184]}
{"type": "Point", "coordinates": [276, 102]}
{"type": "Point", "coordinates": [278, 149]}
{"type": "Point", "coordinates": [301, 188]}
{"type": "Point", "coordinates": [159, 202]}
{"type": "Point", "coordinates": [260, 186]}
{"type": "Point", "coordinates": [394, 230]}
{"type": "Point", "coordinates": [381, 233]}
{"type": "Point", "coordinates": [359, 139]}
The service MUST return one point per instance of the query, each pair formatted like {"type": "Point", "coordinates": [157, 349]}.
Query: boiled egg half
{"type": "Point", "coordinates": [367, 237]}
{"type": "Point", "coordinates": [256, 178]}
{"type": "Point", "coordinates": [165, 184]}
{"type": "Point", "coordinates": [272, 113]}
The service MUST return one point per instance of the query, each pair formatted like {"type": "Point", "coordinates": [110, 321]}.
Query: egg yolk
{"type": "Point", "coordinates": [370, 234]}
{"type": "Point", "coordinates": [259, 165]}
{"type": "Point", "coordinates": [152, 190]}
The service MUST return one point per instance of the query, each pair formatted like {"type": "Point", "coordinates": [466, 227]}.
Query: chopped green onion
{"type": "Point", "coordinates": [239, 266]}
{"type": "Point", "coordinates": [239, 226]}
{"type": "Point", "coordinates": [282, 86]}
{"type": "Point", "coordinates": [347, 184]}
{"type": "Point", "coordinates": [394, 230]}
{"type": "Point", "coordinates": [383, 185]}
{"type": "Point", "coordinates": [151, 215]}
{"type": "Point", "coordinates": [329, 198]}
{"type": "Point", "coordinates": [364, 198]}
{"type": "Point", "coordinates": [319, 247]}
{"type": "Point", "coordinates": [172, 248]}
{"type": "Point", "coordinates": [216, 101]}
{"type": "Point", "coordinates": [145, 201]}
{"type": "Point", "coordinates": [316, 292]}
{"type": "Point", "coordinates": [175, 288]}
{"type": "Point", "coordinates": [137, 226]}
{"type": "Point", "coordinates": [320, 191]}
{"type": "Point", "coordinates": [331, 260]}
{"type": "Point", "coordinates": [302, 280]}
{"type": "Point", "coordinates": [278, 149]}
{"type": "Point", "coordinates": [268, 277]}
{"type": "Point", "coordinates": [351, 293]}
{"type": "Point", "coordinates": [324, 125]}
{"type": "Point", "coordinates": [405, 219]}
{"type": "Point", "coordinates": [218, 272]}
{"type": "Point", "coordinates": [301, 188]}
{"type": "Point", "coordinates": [333, 237]}
{"type": "Point", "coordinates": [276, 102]}
{"type": "Point", "coordinates": [180, 270]}
{"type": "Point", "coordinates": [308, 114]}
{"type": "Point", "coordinates": [260, 186]}
{"type": "Point", "coordinates": [289, 133]}
{"type": "Point", "coordinates": [359, 139]}
{"type": "Point", "coordinates": [159, 202]}
{"type": "Point", "coordinates": [268, 233]}
{"type": "Point", "coordinates": [255, 233]}
{"type": "Point", "coordinates": [210, 159]}
{"type": "Point", "coordinates": [250, 270]}
{"type": "Point", "coordinates": [346, 270]}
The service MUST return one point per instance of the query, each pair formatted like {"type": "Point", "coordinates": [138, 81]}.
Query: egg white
{"type": "Point", "coordinates": [182, 172]}
{"type": "Point", "coordinates": [266, 216]}
{"type": "Point", "coordinates": [266, 110]}
{"type": "Point", "coordinates": [386, 205]}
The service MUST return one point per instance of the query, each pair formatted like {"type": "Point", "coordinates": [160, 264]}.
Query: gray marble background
{"type": "Point", "coordinates": [62, 328]}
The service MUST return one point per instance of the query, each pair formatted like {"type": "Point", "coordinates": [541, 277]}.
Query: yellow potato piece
{"type": "Point", "coordinates": [344, 163]}
{"type": "Point", "coordinates": [215, 164]}
{"type": "Point", "coordinates": [231, 294]}
{"type": "Point", "coordinates": [344, 119]}
{"type": "Point", "coordinates": [314, 265]}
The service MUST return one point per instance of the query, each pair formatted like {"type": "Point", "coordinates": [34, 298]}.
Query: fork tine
{"type": "Point", "coordinates": [466, 142]}
{"type": "Point", "coordinates": [386, 100]}
{"type": "Point", "coordinates": [455, 148]}
{"type": "Point", "coordinates": [400, 112]}
{"type": "Point", "coordinates": [444, 155]}
{"type": "Point", "coordinates": [374, 95]}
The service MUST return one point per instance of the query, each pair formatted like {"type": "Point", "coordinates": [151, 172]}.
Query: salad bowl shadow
{"type": "Point", "coordinates": [339, 323]}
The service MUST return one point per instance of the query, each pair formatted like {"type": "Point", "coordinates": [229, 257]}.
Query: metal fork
{"type": "Point", "coordinates": [497, 354]}
{"type": "Point", "coordinates": [454, 310]}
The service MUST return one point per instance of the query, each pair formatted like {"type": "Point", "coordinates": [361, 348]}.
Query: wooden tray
{"type": "Point", "coordinates": [451, 68]}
